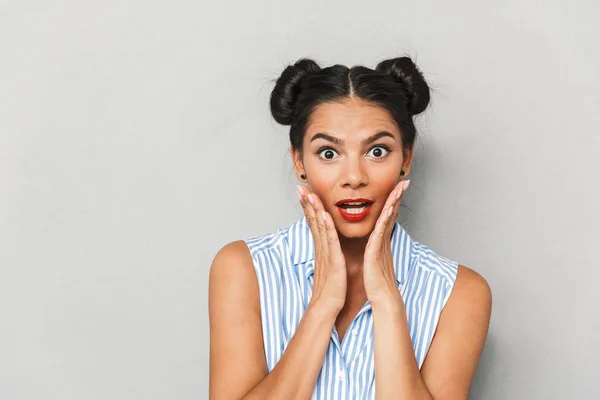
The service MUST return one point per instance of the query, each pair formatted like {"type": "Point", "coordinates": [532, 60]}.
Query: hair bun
{"type": "Point", "coordinates": [406, 72]}
{"type": "Point", "coordinates": [288, 87]}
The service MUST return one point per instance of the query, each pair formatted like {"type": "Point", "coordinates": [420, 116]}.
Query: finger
{"type": "Point", "coordinates": [319, 209]}
{"type": "Point", "coordinates": [396, 206]}
{"type": "Point", "coordinates": [390, 201]}
{"type": "Point", "coordinates": [309, 212]}
{"type": "Point", "coordinates": [376, 238]}
{"type": "Point", "coordinates": [393, 196]}
{"type": "Point", "coordinates": [387, 218]}
{"type": "Point", "coordinates": [333, 241]}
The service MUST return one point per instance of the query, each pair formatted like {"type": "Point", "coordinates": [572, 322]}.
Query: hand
{"type": "Point", "coordinates": [379, 275]}
{"type": "Point", "coordinates": [330, 264]}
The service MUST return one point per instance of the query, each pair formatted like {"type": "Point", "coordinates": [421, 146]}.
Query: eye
{"type": "Point", "coordinates": [326, 153]}
{"type": "Point", "coordinates": [379, 151]}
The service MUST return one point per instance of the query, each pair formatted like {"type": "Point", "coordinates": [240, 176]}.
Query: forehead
{"type": "Point", "coordinates": [351, 117]}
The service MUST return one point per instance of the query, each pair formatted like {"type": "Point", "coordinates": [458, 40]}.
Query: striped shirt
{"type": "Point", "coordinates": [284, 265]}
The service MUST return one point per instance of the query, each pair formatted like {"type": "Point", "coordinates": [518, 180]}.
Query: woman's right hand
{"type": "Point", "coordinates": [330, 281]}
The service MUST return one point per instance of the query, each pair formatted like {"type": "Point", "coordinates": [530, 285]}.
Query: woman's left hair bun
{"type": "Point", "coordinates": [404, 71]}
{"type": "Point", "coordinates": [287, 88]}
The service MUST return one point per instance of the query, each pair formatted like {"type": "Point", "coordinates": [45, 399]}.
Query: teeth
{"type": "Point", "coordinates": [354, 210]}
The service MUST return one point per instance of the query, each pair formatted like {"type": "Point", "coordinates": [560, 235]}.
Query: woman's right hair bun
{"type": "Point", "coordinates": [406, 72]}
{"type": "Point", "coordinates": [288, 87]}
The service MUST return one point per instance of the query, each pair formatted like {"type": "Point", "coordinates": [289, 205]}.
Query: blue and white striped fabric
{"type": "Point", "coordinates": [284, 265]}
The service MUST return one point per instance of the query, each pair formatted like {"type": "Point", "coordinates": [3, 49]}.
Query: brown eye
{"type": "Point", "coordinates": [326, 153]}
{"type": "Point", "coordinates": [379, 151]}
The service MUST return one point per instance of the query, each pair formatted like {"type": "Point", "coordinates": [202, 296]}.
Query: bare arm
{"type": "Point", "coordinates": [451, 362]}
{"type": "Point", "coordinates": [448, 369]}
{"type": "Point", "coordinates": [238, 369]}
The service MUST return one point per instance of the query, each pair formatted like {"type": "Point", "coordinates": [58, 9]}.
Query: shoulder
{"type": "Point", "coordinates": [240, 261]}
{"type": "Point", "coordinates": [470, 301]}
{"type": "Point", "coordinates": [232, 272]}
{"type": "Point", "coordinates": [442, 267]}
{"type": "Point", "coordinates": [471, 290]}
{"type": "Point", "coordinates": [232, 258]}
{"type": "Point", "coordinates": [268, 241]}
{"type": "Point", "coordinates": [235, 251]}
{"type": "Point", "coordinates": [463, 284]}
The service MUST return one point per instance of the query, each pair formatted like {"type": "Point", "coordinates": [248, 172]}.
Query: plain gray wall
{"type": "Point", "coordinates": [136, 140]}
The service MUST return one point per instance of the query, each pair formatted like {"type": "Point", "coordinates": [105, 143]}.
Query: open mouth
{"type": "Point", "coordinates": [354, 210]}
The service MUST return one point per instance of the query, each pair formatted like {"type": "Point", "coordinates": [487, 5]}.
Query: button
{"type": "Point", "coordinates": [355, 331]}
{"type": "Point", "coordinates": [341, 375]}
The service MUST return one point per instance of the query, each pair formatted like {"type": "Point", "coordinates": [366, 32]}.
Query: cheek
{"type": "Point", "coordinates": [323, 182]}
{"type": "Point", "coordinates": [384, 188]}
{"type": "Point", "coordinates": [323, 192]}
{"type": "Point", "coordinates": [385, 181]}
{"type": "Point", "coordinates": [324, 187]}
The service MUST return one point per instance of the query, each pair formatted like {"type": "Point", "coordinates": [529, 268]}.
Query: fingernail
{"type": "Point", "coordinates": [299, 192]}
{"type": "Point", "coordinates": [406, 184]}
{"type": "Point", "coordinates": [311, 199]}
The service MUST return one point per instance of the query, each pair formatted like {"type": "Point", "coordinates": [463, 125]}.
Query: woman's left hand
{"type": "Point", "coordinates": [379, 275]}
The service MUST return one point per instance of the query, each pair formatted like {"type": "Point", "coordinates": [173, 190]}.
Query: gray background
{"type": "Point", "coordinates": [136, 140]}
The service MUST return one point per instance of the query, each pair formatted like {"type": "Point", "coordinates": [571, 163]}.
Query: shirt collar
{"type": "Point", "coordinates": [302, 249]}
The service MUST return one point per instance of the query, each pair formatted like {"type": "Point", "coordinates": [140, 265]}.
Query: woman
{"type": "Point", "coordinates": [343, 304]}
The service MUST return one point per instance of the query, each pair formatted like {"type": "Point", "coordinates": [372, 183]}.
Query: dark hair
{"type": "Point", "coordinates": [395, 84]}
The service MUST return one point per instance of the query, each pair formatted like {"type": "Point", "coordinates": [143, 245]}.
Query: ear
{"type": "Point", "coordinates": [406, 162]}
{"type": "Point", "coordinates": [297, 163]}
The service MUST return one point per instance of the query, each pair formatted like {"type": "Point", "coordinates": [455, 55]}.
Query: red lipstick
{"type": "Point", "coordinates": [349, 213]}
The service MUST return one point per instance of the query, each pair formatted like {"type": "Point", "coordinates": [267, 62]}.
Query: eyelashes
{"type": "Point", "coordinates": [328, 148]}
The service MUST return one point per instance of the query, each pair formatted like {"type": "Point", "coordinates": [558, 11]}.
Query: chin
{"type": "Point", "coordinates": [355, 230]}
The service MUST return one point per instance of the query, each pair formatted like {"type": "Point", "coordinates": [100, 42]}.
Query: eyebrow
{"type": "Point", "coordinates": [366, 141]}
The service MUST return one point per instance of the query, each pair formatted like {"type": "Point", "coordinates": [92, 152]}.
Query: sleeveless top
{"type": "Point", "coordinates": [284, 265]}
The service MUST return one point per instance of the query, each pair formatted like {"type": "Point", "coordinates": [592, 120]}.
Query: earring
{"type": "Point", "coordinates": [401, 173]}
{"type": "Point", "coordinates": [303, 176]}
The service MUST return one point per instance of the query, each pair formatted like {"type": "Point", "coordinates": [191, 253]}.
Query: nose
{"type": "Point", "coordinates": [353, 174]}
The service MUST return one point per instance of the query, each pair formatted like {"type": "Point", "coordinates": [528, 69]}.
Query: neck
{"type": "Point", "coordinates": [354, 251]}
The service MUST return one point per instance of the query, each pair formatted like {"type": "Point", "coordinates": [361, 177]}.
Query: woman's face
{"type": "Point", "coordinates": [352, 149]}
